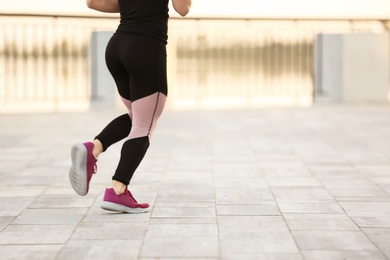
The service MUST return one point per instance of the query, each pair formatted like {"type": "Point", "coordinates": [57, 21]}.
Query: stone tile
{"type": "Point", "coordinates": [101, 249]}
{"type": "Point", "coordinates": [174, 258]}
{"type": "Point", "coordinates": [244, 155]}
{"type": "Point", "coordinates": [380, 237]}
{"type": "Point", "coordinates": [302, 195]}
{"type": "Point", "coordinates": [266, 208]}
{"type": "Point", "coordinates": [273, 256]}
{"type": "Point", "coordinates": [342, 254]}
{"type": "Point", "coordinates": [50, 216]}
{"type": "Point", "coordinates": [334, 172]}
{"type": "Point", "coordinates": [13, 206]}
{"type": "Point", "coordinates": [146, 178]}
{"type": "Point", "coordinates": [278, 157]}
{"type": "Point", "coordinates": [293, 181]}
{"type": "Point", "coordinates": [180, 247]}
{"type": "Point", "coordinates": [21, 191]}
{"type": "Point", "coordinates": [16, 162]}
{"type": "Point", "coordinates": [36, 234]}
{"type": "Point", "coordinates": [110, 231]}
{"type": "Point", "coordinates": [352, 181]}
{"type": "Point", "coordinates": [270, 146]}
{"type": "Point", "coordinates": [275, 242]}
{"type": "Point", "coordinates": [28, 252]}
{"type": "Point", "coordinates": [386, 188]}
{"type": "Point", "coordinates": [66, 190]}
{"type": "Point", "coordinates": [372, 170]}
{"type": "Point", "coordinates": [62, 201]}
{"type": "Point", "coordinates": [310, 208]}
{"type": "Point", "coordinates": [289, 166]}
{"type": "Point", "coordinates": [361, 192]}
{"type": "Point", "coordinates": [187, 174]}
{"type": "Point", "coordinates": [4, 221]}
{"type": "Point", "coordinates": [243, 196]}
{"type": "Point", "coordinates": [366, 206]}
{"type": "Point", "coordinates": [237, 225]}
{"type": "Point", "coordinates": [232, 183]}
{"type": "Point", "coordinates": [313, 150]}
{"type": "Point", "coordinates": [230, 169]}
{"type": "Point", "coordinates": [319, 222]}
{"type": "Point", "coordinates": [378, 220]}
{"type": "Point", "coordinates": [201, 176]}
{"type": "Point", "coordinates": [368, 214]}
{"type": "Point", "coordinates": [26, 179]}
{"type": "Point", "coordinates": [190, 210]}
{"type": "Point", "coordinates": [380, 180]}
{"type": "Point", "coordinates": [162, 221]}
{"type": "Point", "coordinates": [360, 199]}
{"type": "Point", "coordinates": [301, 172]}
{"type": "Point", "coordinates": [333, 240]}
{"type": "Point", "coordinates": [325, 160]}
{"type": "Point", "coordinates": [244, 173]}
{"type": "Point", "coordinates": [182, 230]}
{"type": "Point", "coordinates": [363, 155]}
{"type": "Point", "coordinates": [184, 191]}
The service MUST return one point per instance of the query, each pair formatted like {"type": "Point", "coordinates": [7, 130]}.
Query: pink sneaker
{"type": "Point", "coordinates": [124, 202]}
{"type": "Point", "coordinates": [83, 167]}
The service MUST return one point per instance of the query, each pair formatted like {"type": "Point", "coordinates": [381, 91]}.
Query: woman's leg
{"type": "Point", "coordinates": [146, 112]}
{"type": "Point", "coordinates": [138, 65]}
{"type": "Point", "coordinates": [120, 127]}
{"type": "Point", "coordinates": [84, 155]}
{"type": "Point", "coordinates": [115, 131]}
{"type": "Point", "coordinates": [145, 95]}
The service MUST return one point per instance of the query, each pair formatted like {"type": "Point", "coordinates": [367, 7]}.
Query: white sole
{"type": "Point", "coordinates": [78, 170]}
{"type": "Point", "coordinates": [120, 208]}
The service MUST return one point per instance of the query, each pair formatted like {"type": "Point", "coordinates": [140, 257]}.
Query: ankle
{"type": "Point", "coordinates": [97, 148]}
{"type": "Point", "coordinates": [118, 187]}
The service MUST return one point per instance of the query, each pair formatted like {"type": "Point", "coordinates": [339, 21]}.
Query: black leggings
{"type": "Point", "coordinates": [138, 66]}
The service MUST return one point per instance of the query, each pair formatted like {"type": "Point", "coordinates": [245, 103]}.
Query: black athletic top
{"type": "Point", "coordinates": [144, 17]}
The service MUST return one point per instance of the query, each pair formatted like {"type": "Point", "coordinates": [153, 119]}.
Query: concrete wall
{"type": "Point", "coordinates": [103, 88]}
{"type": "Point", "coordinates": [351, 67]}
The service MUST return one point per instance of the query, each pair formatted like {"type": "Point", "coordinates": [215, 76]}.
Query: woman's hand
{"type": "Point", "coordinates": [182, 6]}
{"type": "Point", "coordinates": [107, 6]}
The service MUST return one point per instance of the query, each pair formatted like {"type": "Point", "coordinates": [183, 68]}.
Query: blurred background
{"type": "Point", "coordinates": [225, 54]}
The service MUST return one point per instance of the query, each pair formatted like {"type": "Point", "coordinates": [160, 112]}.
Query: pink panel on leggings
{"type": "Point", "coordinates": [128, 105]}
{"type": "Point", "coordinates": [145, 113]}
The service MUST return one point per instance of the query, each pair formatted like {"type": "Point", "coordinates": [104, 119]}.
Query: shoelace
{"type": "Point", "coordinates": [128, 194]}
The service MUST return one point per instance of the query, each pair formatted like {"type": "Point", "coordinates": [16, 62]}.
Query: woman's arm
{"type": "Point", "coordinates": [107, 6]}
{"type": "Point", "coordinates": [182, 6]}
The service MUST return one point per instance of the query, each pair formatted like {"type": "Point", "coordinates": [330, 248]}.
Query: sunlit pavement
{"type": "Point", "coordinates": [274, 183]}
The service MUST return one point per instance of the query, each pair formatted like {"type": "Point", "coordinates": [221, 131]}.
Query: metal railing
{"type": "Point", "coordinates": [44, 62]}
{"type": "Point", "coordinates": [211, 62]}
{"type": "Point", "coordinates": [251, 63]}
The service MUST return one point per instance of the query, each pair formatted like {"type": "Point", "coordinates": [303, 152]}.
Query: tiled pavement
{"type": "Point", "coordinates": [310, 183]}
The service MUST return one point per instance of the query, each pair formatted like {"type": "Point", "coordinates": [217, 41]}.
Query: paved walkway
{"type": "Point", "coordinates": [244, 184]}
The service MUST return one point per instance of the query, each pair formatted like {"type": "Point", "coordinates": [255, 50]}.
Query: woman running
{"type": "Point", "coordinates": [136, 59]}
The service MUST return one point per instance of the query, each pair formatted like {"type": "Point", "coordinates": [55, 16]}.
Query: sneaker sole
{"type": "Point", "coordinates": [78, 170]}
{"type": "Point", "coordinates": [120, 208]}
